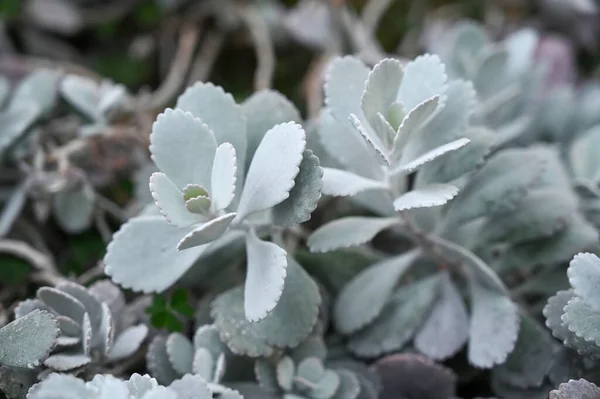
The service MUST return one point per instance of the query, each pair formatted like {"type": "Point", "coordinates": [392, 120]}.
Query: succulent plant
{"type": "Point", "coordinates": [227, 171]}
{"type": "Point", "coordinates": [95, 327]}
{"type": "Point", "coordinates": [136, 387]}
{"type": "Point", "coordinates": [174, 356]}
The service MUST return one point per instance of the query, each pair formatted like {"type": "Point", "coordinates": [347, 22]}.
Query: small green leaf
{"type": "Point", "coordinates": [180, 302]}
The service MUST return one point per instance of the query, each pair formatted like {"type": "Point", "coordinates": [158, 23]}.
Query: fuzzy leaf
{"type": "Point", "coordinates": [344, 86]}
{"type": "Point", "coordinates": [339, 182]}
{"type": "Point", "coordinates": [326, 386]}
{"type": "Point", "coordinates": [305, 195]}
{"type": "Point", "coordinates": [62, 303]}
{"type": "Point", "coordinates": [491, 74]}
{"type": "Point", "coordinates": [429, 156]}
{"type": "Point", "coordinates": [498, 186]}
{"type": "Point", "coordinates": [28, 340]}
{"type": "Point", "coordinates": [412, 123]}
{"type": "Point", "coordinates": [206, 232]}
{"type": "Point", "coordinates": [128, 342]}
{"type": "Point", "coordinates": [191, 387]}
{"type": "Point", "coordinates": [435, 194]}
{"type": "Point", "coordinates": [180, 352]}
{"type": "Point", "coordinates": [66, 362]}
{"type": "Point", "coordinates": [183, 148]}
{"type": "Point", "coordinates": [398, 321]}
{"type": "Point", "coordinates": [424, 78]}
{"type": "Point", "coordinates": [170, 201]}
{"type": "Point", "coordinates": [74, 208]}
{"type": "Point", "coordinates": [83, 94]}
{"type": "Point", "coordinates": [584, 276]}
{"type": "Point", "coordinates": [207, 337]}
{"type": "Point", "coordinates": [494, 327]}
{"type": "Point", "coordinates": [448, 319]}
{"type": "Point", "coordinates": [290, 322]}
{"type": "Point", "coordinates": [202, 364]}
{"type": "Point", "coordinates": [143, 255]}
{"type": "Point", "coordinates": [363, 299]}
{"type": "Point", "coordinates": [576, 389]}
{"type": "Point", "coordinates": [467, 42]}
{"type": "Point", "coordinates": [373, 147]}
{"type": "Point", "coordinates": [223, 178]}
{"type": "Point", "coordinates": [223, 116]}
{"type": "Point", "coordinates": [60, 383]}
{"type": "Point", "coordinates": [347, 232]}
{"type": "Point", "coordinates": [16, 120]}
{"type": "Point", "coordinates": [92, 306]}
{"type": "Point", "coordinates": [39, 88]}
{"type": "Point", "coordinates": [530, 361]}
{"type": "Point", "coordinates": [263, 110]}
{"type": "Point", "coordinates": [265, 279]}
{"type": "Point", "coordinates": [106, 330]}
{"type": "Point", "coordinates": [349, 387]}
{"type": "Point", "coordinates": [285, 373]}
{"type": "Point", "coordinates": [86, 328]}
{"type": "Point", "coordinates": [273, 169]}
{"type": "Point", "coordinates": [158, 363]}
{"type": "Point", "coordinates": [381, 89]}
{"type": "Point", "coordinates": [582, 319]}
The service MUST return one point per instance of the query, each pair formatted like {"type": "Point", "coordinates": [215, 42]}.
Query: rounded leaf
{"type": "Point", "coordinates": [584, 276]}
{"type": "Point", "coordinates": [180, 352]}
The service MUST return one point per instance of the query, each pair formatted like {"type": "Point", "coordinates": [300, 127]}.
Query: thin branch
{"type": "Point", "coordinates": [263, 45]}
{"type": "Point", "coordinates": [188, 39]}
{"type": "Point", "coordinates": [205, 60]}
{"type": "Point", "coordinates": [47, 272]}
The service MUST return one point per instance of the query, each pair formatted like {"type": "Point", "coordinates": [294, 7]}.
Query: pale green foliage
{"type": "Point", "coordinates": [206, 194]}
{"type": "Point", "coordinates": [107, 386]}
{"type": "Point", "coordinates": [96, 326]}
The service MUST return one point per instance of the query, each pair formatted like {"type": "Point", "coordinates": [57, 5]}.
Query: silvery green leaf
{"type": "Point", "coordinates": [469, 38]}
{"type": "Point", "coordinates": [384, 128]}
{"type": "Point", "coordinates": [143, 255]}
{"type": "Point", "coordinates": [398, 321]}
{"type": "Point", "coordinates": [128, 342]}
{"type": "Point", "coordinates": [311, 369]}
{"type": "Point", "coordinates": [459, 162]}
{"type": "Point", "coordinates": [86, 328]}
{"type": "Point", "coordinates": [66, 362]}
{"type": "Point", "coordinates": [70, 386]}
{"type": "Point", "coordinates": [39, 88]}
{"type": "Point", "coordinates": [584, 276]}
{"type": "Point", "coordinates": [341, 183]}
{"type": "Point", "coordinates": [183, 148]}
{"type": "Point", "coordinates": [530, 361]}
{"type": "Point", "coordinates": [92, 305]}
{"type": "Point", "coordinates": [224, 117]}
{"type": "Point", "coordinates": [381, 90]}
{"type": "Point", "coordinates": [106, 331]}
{"type": "Point", "coordinates": [448, 319]}
{"type": "Point", "coordinates": [344, 86]}
{"type": "Point", "coordinates": [202, 363]}
{"type": "Point", "coordinates": [424, 78]}
{"type": "Point", "coordinates": [266, 375]}
{"type": "Point", "coordinates": [199, 206]}
{"type": "Point", "coordinates": [140, 384]}
{"type": "Point", "coordinates": [224, 172]}
{"type": "Point", "coordinates": [265, 278]}
{"type": "Point", "coordinates": [15, 382]}
{"type": "Point", "coordinates": [112, 96]}
{"type": "Point", "coordinates": [498, 187]}
{"type": "Point", "coordinates": [263, 110]}
{"type": "Point", "coordinates": [348, 231]}
{"type": "Point", "coordinates": [191, 387]}
{"type": "Point", "coordinates": [513, 129]}
{"type": "Point", "coordinates": [363, 299]}
{"type": "Point", "coordinates": [377, 152]}
{"type": "Point", "coordinates": [180, 352]}
{"type": "Point", "coordinates": [305, 194]}
{"type": "Point", "coordinates": [61, 303]}
{"type": "Point", "coordinates": [207, 337]}
{"type": "Point", "coordinates": [449, 122]}
{"type": "Point", "coordinates": [206, 232]}
{"type": "Point", "coordinates": [273, 169]}
{"type": "Point", "coordinates": [28, 340]}
{"type": "Point", "coordinates": [581, 319]}
{"type": "Point", "coordinates": [326, 386]}
{"type": "Point", "coordinates": [435, 194]}
{"type": "Point", "coordinates": [285, 373]}
{"type": "Point", "coordinates": [541, 214]}
{"type": "Point", "coordinates": [169, 199]}
{"type": "Point", "coordinates": [65, 341]}
{"type": "Point", "coordinates": [410, 166]}
{"type": "Point", "coordinates": [13, 207]}
{"type": "Point", "coordinates": [349, 387]}
{"type": "Point", "coordinates": [290, 322]}
{"type": "Point", "coordinates": [29, 305]}
{"type": "Point", "coordinates": [74, 208]}
{"type": "Point", "coordinates": [68, 326]}
{"type": "Point", "coordinates": [491, 76]}
{"type": "Point", "coordinates": [158, 363]}
{"type": "Point", "coordinates": [83, 94]}
{"type": "Point", "coordinates": [520, 46]}
{"type": "Point", "coordinates": [352, 151]}
{"type": "Point", "coordinates": [575, 389]}
{"type": "Point", "coordinates": [494, 326]}
{"type": "Point", "coordinates": [581, 154]}
{"type": "Point", "coordinates": [4, 90]}
{"type": "Point", "coordinates": [416, 118]}
{"type": "Point", "coordinates": [16, 120]}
